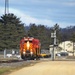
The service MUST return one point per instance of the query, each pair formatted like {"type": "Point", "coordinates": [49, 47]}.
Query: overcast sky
{"type": "Point", "coordinates": [45, 12]}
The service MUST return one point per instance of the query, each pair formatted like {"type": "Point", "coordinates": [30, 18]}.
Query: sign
{"type": "Point", "coordinates": [53, 35]}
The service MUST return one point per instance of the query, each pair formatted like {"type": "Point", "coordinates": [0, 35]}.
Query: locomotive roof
{"type": "Point", "coordinates": [34, 40]}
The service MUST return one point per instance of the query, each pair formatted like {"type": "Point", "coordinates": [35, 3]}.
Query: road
{"type": "Point", "coordinates": [48, 68]}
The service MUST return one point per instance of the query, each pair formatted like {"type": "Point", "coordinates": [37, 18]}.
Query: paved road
{"type": "Point", "coordinates": [48, 68]}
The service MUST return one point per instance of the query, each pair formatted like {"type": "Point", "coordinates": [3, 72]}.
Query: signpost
{"type": "Point", "coordinates": [53, 35]}
{"type": "Point", "coordinates": [5, 53]}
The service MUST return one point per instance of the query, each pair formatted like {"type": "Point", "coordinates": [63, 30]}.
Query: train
{"type": "Point", "coordinates": [30, 48]}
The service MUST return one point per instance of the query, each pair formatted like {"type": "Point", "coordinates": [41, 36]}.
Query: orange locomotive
{"type": "Point", "coordinates": [29, 48]}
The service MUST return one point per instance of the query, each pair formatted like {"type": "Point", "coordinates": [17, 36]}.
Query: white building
{"type": "Point", "coordinates": [64, 46]}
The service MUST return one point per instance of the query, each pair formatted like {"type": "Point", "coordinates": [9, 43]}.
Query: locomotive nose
{"type": "Point", "coordinates": [28, 45]}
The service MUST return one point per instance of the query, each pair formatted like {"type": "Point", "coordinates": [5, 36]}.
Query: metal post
{"type": "Point", "coordinates": [53, 54]}
{"type": "Point", "coordinates": [55, 37]}
{"type": "Point", "coordinates": [5, 53]}
{"type": "Point", "coordinates": [73, 48]}
{"type": "Point", "coordinates": [6, 12]}
{"type": "Point", "coordinates": [6, 7]}
{"type": "Point", "coordinates": [53, 51]}
{"type": "Point", "coordinates": [54, 43]}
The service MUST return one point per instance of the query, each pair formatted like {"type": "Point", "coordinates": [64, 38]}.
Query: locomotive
{"type": "Point", "coordinates": [29, 48]}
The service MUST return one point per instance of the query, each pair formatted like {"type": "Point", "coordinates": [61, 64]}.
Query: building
{"type": "Point", "coordinates": [66, 46]}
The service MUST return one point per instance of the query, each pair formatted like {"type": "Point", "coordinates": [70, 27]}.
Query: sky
{"type": "Point", "coordinates": [44, 12]}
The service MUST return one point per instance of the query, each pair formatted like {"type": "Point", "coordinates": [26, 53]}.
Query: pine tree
{"type": "Point", "coordinates": [12, 31]}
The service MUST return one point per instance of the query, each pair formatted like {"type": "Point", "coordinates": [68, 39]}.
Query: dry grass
{"type": "Point", "coordinates": [6, 69]}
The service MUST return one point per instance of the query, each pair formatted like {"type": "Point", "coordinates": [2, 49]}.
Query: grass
{"type": "Point", "coordinates": [4, 70]}
{"type": "Point", "coordinates": [7, 70]}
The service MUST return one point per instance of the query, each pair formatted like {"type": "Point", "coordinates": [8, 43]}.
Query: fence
{"type": "Point", "coordinates": [10, 53]}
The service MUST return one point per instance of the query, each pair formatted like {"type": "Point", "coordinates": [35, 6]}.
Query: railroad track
{"type": "Point", "coordinates": [41, 59]}
{"type": "Point", "coordinates": [18, 60]}
{"type": "Point", "coordinates": [10, 61]}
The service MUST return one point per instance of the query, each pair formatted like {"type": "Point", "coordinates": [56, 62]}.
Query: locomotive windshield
{"type": "Point", "coordinates": [28, 41]}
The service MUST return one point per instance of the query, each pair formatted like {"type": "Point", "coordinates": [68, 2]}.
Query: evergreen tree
{"type": "Point", "coordinates": [12, 31]}
{"type": "Point", "coordinates": [33, 31]}
{"type": "Point", "coordinates": [43, 36]}
{"type": "Point", "coordinates": [42, 33]}
{"type": "Point", "coordinates": [73, 37]}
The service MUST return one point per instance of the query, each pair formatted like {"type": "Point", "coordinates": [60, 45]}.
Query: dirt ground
{"type": "Point", "coordinates": [48, 68]}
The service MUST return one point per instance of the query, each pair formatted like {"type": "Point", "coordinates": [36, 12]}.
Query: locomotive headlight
{"type": "Point", "coordinates": [24, 52]}
{"type": "Point", "coordinates": [31, 52]}
{"type": "Point", "coordinates": [28, 44]}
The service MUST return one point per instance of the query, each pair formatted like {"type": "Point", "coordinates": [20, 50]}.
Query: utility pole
{"type": "Point", "coordinates": [73, 48]}
{"type": "Point", "coordinates": [6, 7]}
{"type": "Point", "coordinates": [6, 11]}
{"type": "Point", "coordinates": [53, 35]}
